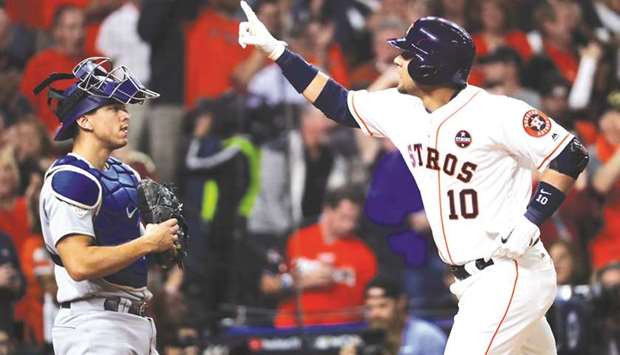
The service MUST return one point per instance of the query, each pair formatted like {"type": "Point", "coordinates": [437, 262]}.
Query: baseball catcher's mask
{"type": "Point", "coordinates": [95, 86]}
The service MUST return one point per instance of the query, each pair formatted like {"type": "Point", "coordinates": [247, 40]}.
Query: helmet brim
{"type": "Point", "coordinates": [400, 43]}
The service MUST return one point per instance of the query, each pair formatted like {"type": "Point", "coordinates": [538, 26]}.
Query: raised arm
{"type": "Point", "coordinates": [323, 92]}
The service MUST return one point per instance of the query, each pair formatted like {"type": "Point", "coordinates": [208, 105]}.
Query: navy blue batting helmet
{"type": "Point", "coordinates": [441, 52]}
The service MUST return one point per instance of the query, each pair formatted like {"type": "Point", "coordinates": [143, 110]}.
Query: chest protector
{"type": "Point", "coordinates": [112, 194]}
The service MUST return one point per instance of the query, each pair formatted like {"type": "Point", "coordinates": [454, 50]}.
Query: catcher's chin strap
{"type": "Point", "coordinates": [65, 103]}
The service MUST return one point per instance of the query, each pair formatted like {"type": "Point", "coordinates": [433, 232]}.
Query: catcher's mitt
{"type": "Point", "coordinates": [158, 203]}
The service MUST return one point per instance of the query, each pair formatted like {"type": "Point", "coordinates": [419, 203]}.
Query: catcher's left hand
{"type": "Point", "coordinates": [158, 203]}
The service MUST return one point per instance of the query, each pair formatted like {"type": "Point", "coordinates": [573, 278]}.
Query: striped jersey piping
{"type": "Point", "coordinates": [553, 151]}
{"type": "Point", "coordinates": [514, 287]}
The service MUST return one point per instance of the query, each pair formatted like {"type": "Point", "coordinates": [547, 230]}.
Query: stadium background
{"type": "Point", "coordinates": [219, 100]}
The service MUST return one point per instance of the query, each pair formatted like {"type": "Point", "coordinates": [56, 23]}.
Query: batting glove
{"type": "Point", "coordinates": [255, 33]}
{"type": "Point", "coordinates": [518, 239]}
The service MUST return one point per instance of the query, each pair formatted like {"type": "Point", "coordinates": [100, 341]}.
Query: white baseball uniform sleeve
{"type": "Point", "coordinates": [532, 137]}
{"type": "Point", "coordinates": [65, 219]}
{"type": "Point", "coordinates": [375, 111]}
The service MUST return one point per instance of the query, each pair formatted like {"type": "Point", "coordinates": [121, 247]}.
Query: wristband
{"type": "Point", "coordinates": [298, 72]}
{"type": "Point", "coordinates": [545, 201]}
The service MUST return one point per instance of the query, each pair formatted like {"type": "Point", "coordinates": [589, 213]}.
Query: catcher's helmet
{"type": "Point", "coordinates": [95, 86]}
{"type": "Point", "coordinates": [441, 52]}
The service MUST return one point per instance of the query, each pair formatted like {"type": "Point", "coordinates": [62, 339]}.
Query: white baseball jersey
{"type": "Point", "coordinates": [59, 219]}
{"type": "Point", "coordinates": [472, 160]}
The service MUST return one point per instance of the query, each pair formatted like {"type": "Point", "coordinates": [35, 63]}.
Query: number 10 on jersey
{"type": "Point", "coordinates": [464, 203]}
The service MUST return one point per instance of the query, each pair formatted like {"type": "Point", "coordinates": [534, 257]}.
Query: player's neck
{"type": "Point", "coordinates": [437, 97]}
{"type": "Point", "coordinates": [92, 152]}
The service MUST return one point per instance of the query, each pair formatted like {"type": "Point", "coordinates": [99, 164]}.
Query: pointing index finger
{"type": "Point", "coordinates": [249, 13]}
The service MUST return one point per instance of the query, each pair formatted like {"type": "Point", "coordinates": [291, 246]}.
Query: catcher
{"type": "Point", "coordinates": [91, 219]}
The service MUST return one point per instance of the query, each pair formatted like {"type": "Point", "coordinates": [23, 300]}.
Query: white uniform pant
{"type": "Point", "coordinates": [86, 328]}
{"type": "Point", "coordinates": [502, 308]}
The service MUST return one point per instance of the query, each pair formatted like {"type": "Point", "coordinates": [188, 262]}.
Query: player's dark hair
{"type": "Point", "coordinates": [391, 287]}
{"type": "Point", "coordinates": [60, 11]}
{"type": "Point", "coordinates": [335, 196]}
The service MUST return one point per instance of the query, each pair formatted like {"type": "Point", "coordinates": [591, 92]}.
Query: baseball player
{"type": "Point", "coordinates": [472, 155]}
{"type": "Point", "coordinates": [90, 220]}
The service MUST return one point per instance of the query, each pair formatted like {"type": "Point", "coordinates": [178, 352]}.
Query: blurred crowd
{"type": "Point", "coordinates": [290, 215]}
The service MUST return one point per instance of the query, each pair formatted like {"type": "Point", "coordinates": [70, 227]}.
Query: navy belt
{"type": "Point", "coordinates": [459, 270]}
{"type": "Point", "coordinates": [118, 304]}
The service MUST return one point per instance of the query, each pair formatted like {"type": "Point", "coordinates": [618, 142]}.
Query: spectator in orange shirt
{"type": "Point", "coordinates": [556, 38]}
{"type": "Point", "coordinates": [40, 14]}
{"type": "Point", "coordinates": [67, 50]}
{"type": "Point", "coordinates": [30, 307]}
{"type": "Point", "coordinates": [320, 48]}
{"type": "Point", "coordinates": [212, 52]}
{"type": "Point", "coordinates": [497, 31]}
{"type": "Point", "coordinates": [365, 74]}
{"type": "Point", "coordinates": [606, 182]}
{"type": "Point", "coordinates": [329, 267]}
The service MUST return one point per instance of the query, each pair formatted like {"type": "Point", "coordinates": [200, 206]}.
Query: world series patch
{"type": "Point", "coordinates": [462, 139]}
{"type": "Point", "coordinates": [536, 123]}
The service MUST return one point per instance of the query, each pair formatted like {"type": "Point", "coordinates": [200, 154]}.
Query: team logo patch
{"type": "Point", "coordinates": [462, 139]}
{"type": "Point", "coordinates": [536, 123]}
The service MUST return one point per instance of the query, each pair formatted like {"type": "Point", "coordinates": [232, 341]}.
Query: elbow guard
{"type": "Point", "coordinates": [332, 101]}
{"type": "Point", "coordinates": [572, 160]}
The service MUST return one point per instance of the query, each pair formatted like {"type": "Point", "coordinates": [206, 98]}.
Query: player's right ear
{"type": "Point", "coordinates": [85, 123]}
